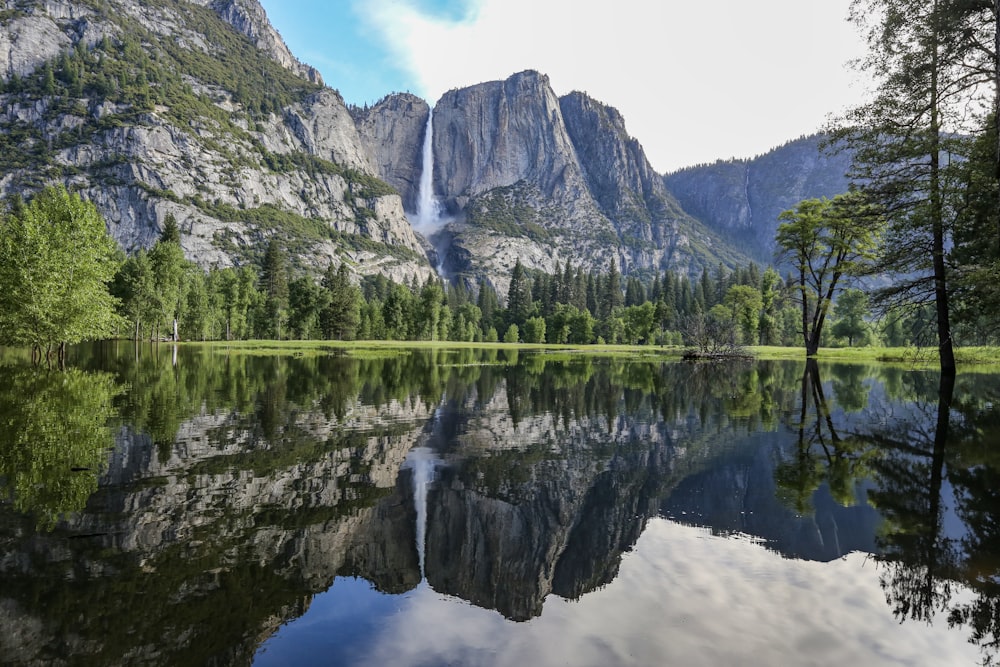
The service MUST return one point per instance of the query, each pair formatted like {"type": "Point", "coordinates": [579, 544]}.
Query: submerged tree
{"type": "Point", "coordinates": [826, 240]}
{"type": "Point", "coordinates": [932, 62]}
{"type": "Point", "coordinates": [56, 261]}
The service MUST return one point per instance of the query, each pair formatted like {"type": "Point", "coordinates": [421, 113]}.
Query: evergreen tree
{"type": "Point", "coordinates": [925, 74]}
{"type": "Point", "coordinates": [341, 314]}
{"type": "Point", "coordinates": [274, 285]}
{"type": "Point", "coordinates": [488, 304]}
{"type": "Point", "coordinates": [612, 297]}
{"type": "Point", "coordinates": [519, 302]}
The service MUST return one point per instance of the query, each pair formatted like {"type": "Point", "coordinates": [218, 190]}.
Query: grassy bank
{"type": "Point", "coordinates": [911, 356]}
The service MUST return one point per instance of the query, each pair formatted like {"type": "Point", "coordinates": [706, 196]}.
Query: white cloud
{"type": "Point", "coordinates": [695, 81]}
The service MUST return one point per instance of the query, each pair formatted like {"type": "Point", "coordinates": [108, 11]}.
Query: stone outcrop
{"type": "Point", "coordinates": [234, 166]}
{"type": "Point", "coordinates": [394, 130]}
{"type": "Point", "coordinates": [743, 198]}
{"type": "Point", "coordinates": [496, 134]}
{"type": "Point", "coordinates": [249, 18]}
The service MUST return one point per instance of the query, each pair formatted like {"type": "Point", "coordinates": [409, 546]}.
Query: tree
{"type": "Point", "coordinates": [611, 294]}
{"type": "Point", "coordinates": [850, 312]}
{"type": "Point", "coordinates": [746, 304]}
{"type": "Point", "coordinates": [534, 330]}
{"type": "Point", "coordinates": [274, 285]}
{"type": "Point", "coordinates": [56, 262]}
{"type": "Point", "coordinates": [930, 65]}
{"type": "Point", "coordinates": [519, 301]}
{"type": "Point", "coordinates": [341, 315]}
{"type": "Point", "coordinates": [825, 240]}
{"type": "Point", "coordinates": [306, 303]}
{"type": "Point", "coordinates": [168, 267]}
{"type": "Point", "coordinates": [133, 286]}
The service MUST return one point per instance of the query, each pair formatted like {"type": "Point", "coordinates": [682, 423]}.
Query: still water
{"type": "Point", "coordinates": [167, 506]}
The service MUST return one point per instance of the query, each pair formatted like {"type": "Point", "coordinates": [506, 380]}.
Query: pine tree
{"type": "Point", "coordinates": [340, 317]}
{"type": "Point", "coordinates": [274, 285]}
{"type": "Point", "coordinates": [519, 302]}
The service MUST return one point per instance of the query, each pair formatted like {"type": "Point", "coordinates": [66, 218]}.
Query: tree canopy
{"type": "Point", "coordinates": [56, 261]}
{"type": "Point", "coordinates": [825, 239]}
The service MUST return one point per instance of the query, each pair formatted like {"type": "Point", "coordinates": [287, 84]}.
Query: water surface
{"type": "Point", "coordinates": [189, 506]}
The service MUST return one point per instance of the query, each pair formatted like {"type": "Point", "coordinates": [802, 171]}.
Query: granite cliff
{"type": "Point", "coordinates": [742, 199]}
{"type": "Point", "coordinates": [196, 109]}
{"type": "Point", "coordinates": [524, 174]}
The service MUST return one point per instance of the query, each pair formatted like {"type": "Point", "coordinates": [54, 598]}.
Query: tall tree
{"type": "Point", "coordinates": [850, 310]}
{"type": "Point", "coordinates": [341, 315]}
{"type": "Point", "coordinates": [611, 295]}
{"type": "Point", "coordinates": [56, 261]}
{"type": "Point", "coordinates": [824, 240]}
{"type": "Point", "coordinates": [274, 285]}
{"type": "Point", "coordinates": [168, 266]}
{"type": "Point", "coordinates": [519, 301]}
{"type": "Point", "coordinates": [903, 139]}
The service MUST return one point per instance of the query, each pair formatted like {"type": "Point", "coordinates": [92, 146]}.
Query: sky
{"type": "Point", "coordinates": [695, 81]}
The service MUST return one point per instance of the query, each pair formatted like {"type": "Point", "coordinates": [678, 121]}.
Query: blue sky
{"type": "Point", "coordinates": [695, 81]}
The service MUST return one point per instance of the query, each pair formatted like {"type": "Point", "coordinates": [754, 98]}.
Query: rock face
{"type": "Point", "coordinates": [208, 117]}
{"type": "Point", "coordinates": [743, 198]}
{"type": "Point", "coordinates": [394, 130]}
{"type": "Point", "coordinates": [525, 175]}
{"type": "Point", "coordinates": [500, 133]}
{"type": "Point", "coordinates": [249, 18]}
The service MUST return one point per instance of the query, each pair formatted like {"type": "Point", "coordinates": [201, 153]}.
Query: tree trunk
{"type": "Point", "coordinates": [946, 350]}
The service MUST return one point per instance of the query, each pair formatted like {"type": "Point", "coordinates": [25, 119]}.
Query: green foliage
{"type": "Point", "coordinates": [850, 311]}
{"type": "Point", "coordinates": [826, 240]}
{"type": "Point", "coordinates": [534, 330]}
{"type": "Point", "coordinates": [341, 315]}
{"type": "Point", "coordinates": [56, 261]}
{"type": "Point", "coordinates": [507, 210]}
{"type": "Point", "coordinates": [55, 430]}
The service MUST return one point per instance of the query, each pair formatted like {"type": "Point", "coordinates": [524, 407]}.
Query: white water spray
{"type": "Point", "coordinates": [428, 208]}
{"type": "Point", "coordinates": [429, 220]}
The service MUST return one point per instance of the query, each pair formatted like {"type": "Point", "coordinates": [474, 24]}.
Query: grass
{"type": "Point", "coordinates": [988, 357]}
{"type": "Point", "coordinates": [374, 347]}
{"type": "Point", "coordinates": [912, 356]}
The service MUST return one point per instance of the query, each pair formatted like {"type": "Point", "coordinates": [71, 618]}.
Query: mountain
{"type": "Point", "coordinates": [195, 109]}
{"type": "Point", "coordinates": [523, 174]}
{"type": "Point", "coordinates": [742, 199]}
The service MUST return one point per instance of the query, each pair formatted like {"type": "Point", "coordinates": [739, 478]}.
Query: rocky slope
{"type": "Point", "coordinates": [196, 109]}
{"type": "Point", "coordinates": [742, 199]}
{"type": "Point", "coordinates": [523, 174]}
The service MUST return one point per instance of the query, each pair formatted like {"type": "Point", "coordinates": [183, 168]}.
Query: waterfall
{"type": "Point", "coordinates": [428, 219]}
{"type": "Point", "coordinates": [428, 207]}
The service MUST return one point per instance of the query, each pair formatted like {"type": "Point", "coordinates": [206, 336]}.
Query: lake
{"type": "Point", "coordinates": [190, 506]}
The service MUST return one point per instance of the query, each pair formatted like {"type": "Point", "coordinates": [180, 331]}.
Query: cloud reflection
{"type": "Point", "coordinates": [683, 597]}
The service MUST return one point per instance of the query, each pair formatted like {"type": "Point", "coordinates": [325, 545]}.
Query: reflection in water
{"type": "Point", "coordinates": [54, 438]}
{"type": "Point", "coordinates": [245, 492]}
{"type": "Point", "coordinates": [421, 461]}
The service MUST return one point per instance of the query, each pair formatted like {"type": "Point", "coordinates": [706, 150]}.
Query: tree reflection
{"type": "Point", "coordinates": [822, 453]}
{"type": "Point", "coordinates": [938, 484]}
{"type": "Point", "coordinates": [54, 438]}
{"type": "Point", "coordinates": [920, 560]}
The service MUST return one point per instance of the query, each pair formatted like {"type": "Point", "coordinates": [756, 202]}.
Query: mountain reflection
{"type": "Point", "coordinates": [238, 487]}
